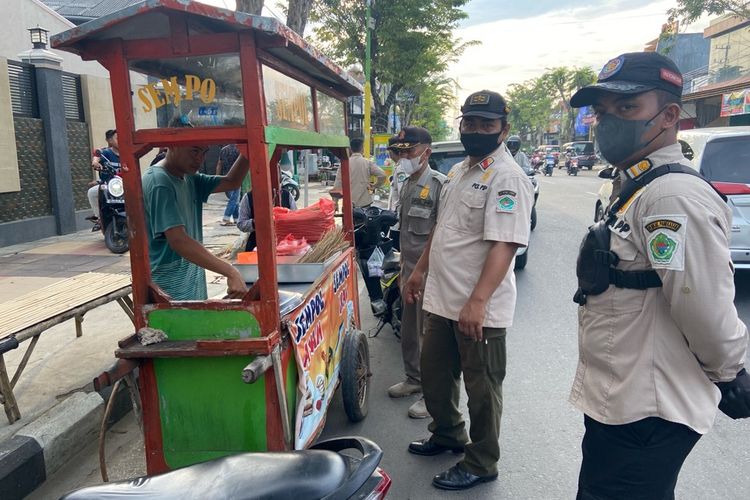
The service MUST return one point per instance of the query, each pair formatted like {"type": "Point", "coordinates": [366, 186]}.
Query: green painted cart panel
{"type": "Point", "coordinates": [206, 410]}
{"type": "Point", "coordinates": [291, 137]}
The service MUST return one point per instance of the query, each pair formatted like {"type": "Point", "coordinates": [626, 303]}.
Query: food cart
{"type": "Point", "coordinates": [234, 375]}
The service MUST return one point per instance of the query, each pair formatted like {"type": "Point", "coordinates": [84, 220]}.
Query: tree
{"type": "Point", "coordinates": [428, 106]}
{"type": "Point", "coordinates": [689, 11]}
{"type": "Point", "coordinates": [412, 42]}
{"type": "Point", "coordinates": [253, 7]}
{"type": "Point", "coordinates": [530, 106]}
{"type": "Point", "coordinates": [297, 14]}
{"type": "Point", "coordinates": [564, 82]}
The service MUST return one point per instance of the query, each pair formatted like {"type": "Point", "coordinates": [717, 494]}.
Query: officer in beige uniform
{"type": "Point", "coordinates": [419, 196]}
{"type": "Point", "coordinates": [662, 332]}
{"type": "Point", "coordinates": [360, 171]}
{"type": "Point", "coordinates": [470, 293]}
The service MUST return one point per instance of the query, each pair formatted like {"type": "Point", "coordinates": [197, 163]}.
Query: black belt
{"type": "Point", "coordinates": [637, 280]}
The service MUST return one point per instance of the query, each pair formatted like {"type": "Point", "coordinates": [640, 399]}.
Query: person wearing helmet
{"type": "Point", "coordinates": [514, 146]}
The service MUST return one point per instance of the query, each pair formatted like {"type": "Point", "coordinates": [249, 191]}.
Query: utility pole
{"type": "Point", "coordinates": [368, 70]}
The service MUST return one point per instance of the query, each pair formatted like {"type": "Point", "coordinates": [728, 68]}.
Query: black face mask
{"type": "Point", "coordinates": [477, 145]}
{"type": "Point", "coordinates": [619, 139]}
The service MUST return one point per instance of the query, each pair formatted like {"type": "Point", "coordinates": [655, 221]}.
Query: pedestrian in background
{"type": "Point", "coordinates": [419, 196]}
{"type": "Point", "coordinates": [227, 156]}
{"type": "Point", "coordinates": [470, 293]}
{"type": "Point", "coordinates": [360, 171]}
{"type": "Point", "coordinates": [661, 332]}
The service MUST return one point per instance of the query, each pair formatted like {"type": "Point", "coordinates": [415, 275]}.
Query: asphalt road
{"type": "Point", "coordinates": [541, 432]}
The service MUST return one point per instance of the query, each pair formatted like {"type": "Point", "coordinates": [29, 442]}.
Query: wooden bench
{"type": "Point", "coordinates": [30, 315]}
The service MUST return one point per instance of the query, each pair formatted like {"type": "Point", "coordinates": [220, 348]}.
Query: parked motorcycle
{"type": "Point", "coordinates": [288, 183]}
{"type": "Point", "coordinates": [112, 217]}
{"type": "Point", "coordinates": [323, 471]}
{"type": "Point", "coordinates": [372, 225]}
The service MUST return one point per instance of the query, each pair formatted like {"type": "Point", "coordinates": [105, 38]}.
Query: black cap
{"type": "Point", "coordinates": [410, 137]}
{"type": "Point", "coordinates": [632, 73]}
{"type": "Point", "coordinates": [486, 104]}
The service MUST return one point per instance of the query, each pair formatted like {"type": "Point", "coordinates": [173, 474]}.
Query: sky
{"type": "Point", "coordinates": [520, 39]}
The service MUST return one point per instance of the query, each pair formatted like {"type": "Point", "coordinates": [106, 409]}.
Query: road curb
{"type": "Point", "coordinates": [43, 446]}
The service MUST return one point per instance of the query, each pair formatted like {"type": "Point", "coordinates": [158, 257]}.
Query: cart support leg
{"type": "Point", "coordinates": [281, 393]}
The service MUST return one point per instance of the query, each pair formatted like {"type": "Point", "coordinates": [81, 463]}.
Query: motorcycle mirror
{"type": "Point", "coordinates": [607, 173]}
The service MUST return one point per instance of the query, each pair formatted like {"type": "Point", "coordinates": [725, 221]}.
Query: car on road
{"type": "Point", "coordinates": [583, 151]}
{"type": "Point", "coordinates": [446, 154]}
{"type": "Point", "coordinates": [721, 155]}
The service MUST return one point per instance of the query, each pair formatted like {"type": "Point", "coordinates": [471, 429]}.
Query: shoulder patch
{"type": "Point", "coordinates": [666, 237]}
{"type": "Point", "coordinates": [506, 202]}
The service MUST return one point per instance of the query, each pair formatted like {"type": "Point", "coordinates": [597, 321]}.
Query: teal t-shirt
{"type": "Point", "coordinates": [171, 202]}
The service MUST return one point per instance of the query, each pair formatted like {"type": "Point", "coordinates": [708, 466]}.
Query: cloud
{"type": "Point", "coordinates": [515, 50]}
{"type": "Point", "coordinates": [481, 10]}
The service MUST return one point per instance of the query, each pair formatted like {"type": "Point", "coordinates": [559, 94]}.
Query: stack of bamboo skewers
{"type": "Point", "coordinates": [333, 241]}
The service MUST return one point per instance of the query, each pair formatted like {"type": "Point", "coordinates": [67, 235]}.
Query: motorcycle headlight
{"type": "Point", "coordinates": [116, 187]}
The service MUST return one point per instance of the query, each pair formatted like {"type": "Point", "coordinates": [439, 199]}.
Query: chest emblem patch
{"type": "Point", "coordinates": [486, 163]}
{"type": "Point", "coordinates": [425, 192]}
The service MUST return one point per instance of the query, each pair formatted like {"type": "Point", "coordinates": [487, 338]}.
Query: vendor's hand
{"type": "Point", "coordinates": [471, 318]}
{"type": "Point", "coordinates": [414, 287]}
{"type": "Point", "coordinates": [236, 288]}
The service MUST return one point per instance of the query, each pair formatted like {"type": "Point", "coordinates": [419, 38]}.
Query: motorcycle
{"type": "Point", "coordinates": [320, 472]}
{"type": "Point", "coordinates": [571, 165]}
{"type": "Point", "coordinates": [288, 183]}
{"type": "Point", "coordinates": [112, 217]}
{"type": "Point", "coordinates": [549, 165]}
{"type": "Point", "coordinates": [372, 224]}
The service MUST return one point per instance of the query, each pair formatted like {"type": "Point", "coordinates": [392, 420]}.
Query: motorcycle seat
{"type": "Point", "coordinates": [306, 474]}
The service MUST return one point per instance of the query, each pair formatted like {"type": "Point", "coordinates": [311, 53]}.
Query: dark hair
{"type": "Point", "coordinates": [109, 133]}
{"type": "Point", "coordinates": [356, 144]}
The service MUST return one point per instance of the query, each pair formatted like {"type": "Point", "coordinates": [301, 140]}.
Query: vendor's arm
{"type": "Point", "coordinates": [218, 165]}
{"type": "Point", "coordinates": [233, 179]}
{"type": "Point", "coordinates": [687, 243]}
{"type": "Point", "coordinates": [191, 250]}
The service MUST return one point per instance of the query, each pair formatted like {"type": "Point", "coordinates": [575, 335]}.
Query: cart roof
{"type": "Point", "coordinates": [148, 19]}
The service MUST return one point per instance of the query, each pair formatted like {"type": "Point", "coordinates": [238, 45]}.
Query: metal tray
{"type": "Point", "coordinates": [288, 270]}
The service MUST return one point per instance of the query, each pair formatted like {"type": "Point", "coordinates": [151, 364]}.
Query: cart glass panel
{"type": "Point", "coordinates": [288, 102]}
{"type": "Point", "coordinates": [331, 115]}
{"type": "Point", "coordinates": [205, 91]}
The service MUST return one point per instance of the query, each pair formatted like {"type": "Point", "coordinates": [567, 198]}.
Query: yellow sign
{"type": "Point", "coordinates": [154, 97]}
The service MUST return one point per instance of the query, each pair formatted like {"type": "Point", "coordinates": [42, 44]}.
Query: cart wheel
{"type": "Point", "coordinates": [355, 375]}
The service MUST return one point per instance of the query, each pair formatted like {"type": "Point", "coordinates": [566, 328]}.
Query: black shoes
{"type": "Point", "coordinates": [456, 478]}
{"type": "Point", "coordinates": [428, 448]}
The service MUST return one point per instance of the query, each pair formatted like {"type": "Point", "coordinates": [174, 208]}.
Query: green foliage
{"type": "Point", "coordinates": [689, 11]}
{"type": "Point", "coordinates": [533, 101]}
{"type": "Point", "coordinates": [428, 108]}
{"type": "Point", "coordinates": [412, 42]}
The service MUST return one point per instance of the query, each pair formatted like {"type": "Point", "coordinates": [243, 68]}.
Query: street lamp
{"type": "Point", "coordinates": [39, 37]}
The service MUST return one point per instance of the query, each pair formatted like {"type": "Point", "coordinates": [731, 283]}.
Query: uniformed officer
{"type": "Point", "coordinates": [470, 293]}
{"type": "Point", "coordinates": [419, 196]}
{"type": "Point", "coordinates": [652, 350]}
{"type": "Point", "coordinates": [397, 180]}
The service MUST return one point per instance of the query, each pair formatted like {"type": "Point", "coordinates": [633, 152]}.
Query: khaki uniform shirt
{"type": "Point", "coordinates": [657, 352]}
{"type": "Point", "coordinates": [480, 204]}
{"type": "Point", "coordinates": [360, 170]}
{"type": "Point", "coordinates": [418, 209]}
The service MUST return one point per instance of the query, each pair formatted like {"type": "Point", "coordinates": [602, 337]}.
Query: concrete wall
{"type": "Point", "coordinates": [10, 179]}
{"type": "Point", "coordinates": [97, 106]}
{"type": "Point", "coordinates": [19, 15]}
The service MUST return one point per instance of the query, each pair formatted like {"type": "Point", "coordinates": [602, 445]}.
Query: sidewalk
{"type": "Point", "coordinates": [63, 365]}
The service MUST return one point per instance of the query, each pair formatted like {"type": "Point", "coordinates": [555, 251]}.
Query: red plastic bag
{"type": "Point", "coordinates": [310, 223]}
{"type": "Point", "coordinates": [292, 246]}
